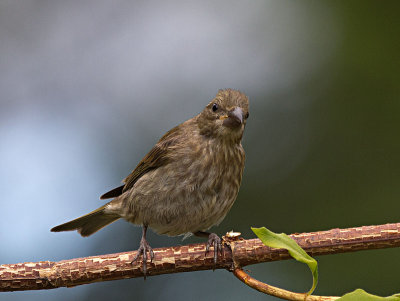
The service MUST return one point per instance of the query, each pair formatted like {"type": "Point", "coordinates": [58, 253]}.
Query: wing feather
{"type": "Point", "coordinates": [158, 156]}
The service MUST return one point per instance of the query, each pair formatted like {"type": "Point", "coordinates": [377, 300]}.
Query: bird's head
{"type": "Point", "coordinates": [225, 116]}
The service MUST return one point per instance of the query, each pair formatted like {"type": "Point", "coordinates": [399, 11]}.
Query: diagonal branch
{"type": "Point", "coordinates": [236, 253]}
{"type": "Point", "coordinates": [276, 291]}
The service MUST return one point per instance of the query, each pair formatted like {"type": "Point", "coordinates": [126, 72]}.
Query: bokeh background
{"type": "Point", "coordinates": [87, 88]}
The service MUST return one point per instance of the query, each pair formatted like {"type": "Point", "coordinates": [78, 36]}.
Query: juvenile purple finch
{"type": "Point", "coordinates": [186, 183]}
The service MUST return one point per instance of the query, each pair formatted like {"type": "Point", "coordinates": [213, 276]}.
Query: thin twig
{"type": "Point", "coordinates": [238, 253]}
{"type": "Point", "coordinates": [276, 291]}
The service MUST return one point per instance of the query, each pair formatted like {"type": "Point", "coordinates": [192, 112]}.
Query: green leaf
{"type": "Point", "coordinates": [361, 295]}
{"type": "Point", "coordinates": [283, 241]}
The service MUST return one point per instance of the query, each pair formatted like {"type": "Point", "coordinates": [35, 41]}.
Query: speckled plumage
{"type": "Point", "coordinates": [191, 193]}
{"type": "Point", "coordinates": [199, 182]}
{"type": "Point", "coordinates": [189, 180]}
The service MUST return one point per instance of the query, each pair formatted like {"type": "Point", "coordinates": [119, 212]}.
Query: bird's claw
{"type": "Point", "coordinates": [216, 242]}
{"type": "Point", "coordinates": [143, 249]}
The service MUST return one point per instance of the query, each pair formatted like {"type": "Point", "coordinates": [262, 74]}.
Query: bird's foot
{"type": "Point", "coordinates": [143, 249]}
{"type": "Point", "coordinates": [216, 242]}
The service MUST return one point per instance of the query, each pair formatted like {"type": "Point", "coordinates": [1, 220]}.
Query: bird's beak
{"type": "Point", "coordinates": [235, 118]}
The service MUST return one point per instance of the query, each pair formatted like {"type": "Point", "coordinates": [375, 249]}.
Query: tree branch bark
{"type": "Point", "coordinates": [237, 253]}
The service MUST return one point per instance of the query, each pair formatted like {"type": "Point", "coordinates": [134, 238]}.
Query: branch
{"type": "Point", "coordinates": [276, 291]}
{"type": "Point", "coordinates": [237, 253]}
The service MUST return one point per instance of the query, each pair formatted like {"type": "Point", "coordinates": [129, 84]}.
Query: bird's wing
{"type": "Point", "coordinates": [158, 156]}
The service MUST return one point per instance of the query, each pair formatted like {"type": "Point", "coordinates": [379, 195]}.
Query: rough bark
{"type": "Point", "coordinates": [237, 253]}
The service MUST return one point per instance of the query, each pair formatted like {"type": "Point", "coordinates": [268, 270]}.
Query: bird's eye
{"type": "Point", "coordinates": [215, 107]}
{"type": "Point", "coordinates": [247, 115]}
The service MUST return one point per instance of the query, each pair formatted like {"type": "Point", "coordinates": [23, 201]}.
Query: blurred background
{"type": "Point", "coordinates": [87, 88]}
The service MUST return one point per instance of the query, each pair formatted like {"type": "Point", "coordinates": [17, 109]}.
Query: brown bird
{"type": "Point", "coordinates": [186, 183]}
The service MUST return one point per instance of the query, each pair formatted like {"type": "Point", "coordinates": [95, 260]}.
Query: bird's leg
{"type": "Point", "coordinates": [213, 240]}
{"type": "Point", "coordinates": [143, 249]}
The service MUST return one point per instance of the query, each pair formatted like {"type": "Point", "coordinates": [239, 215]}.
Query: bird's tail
{"type": "Point", "coordinates": [89, 223]}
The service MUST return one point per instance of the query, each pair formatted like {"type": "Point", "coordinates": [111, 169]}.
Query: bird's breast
{"type": "Point", "coordinates": [191, 193]}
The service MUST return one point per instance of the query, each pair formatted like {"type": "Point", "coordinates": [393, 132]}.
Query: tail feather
{"type": "Point", "coordinates": [89, 223]}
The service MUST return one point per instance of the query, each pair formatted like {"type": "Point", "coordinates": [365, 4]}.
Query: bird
{"type": "Point", "coordinates": [187, 182]}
